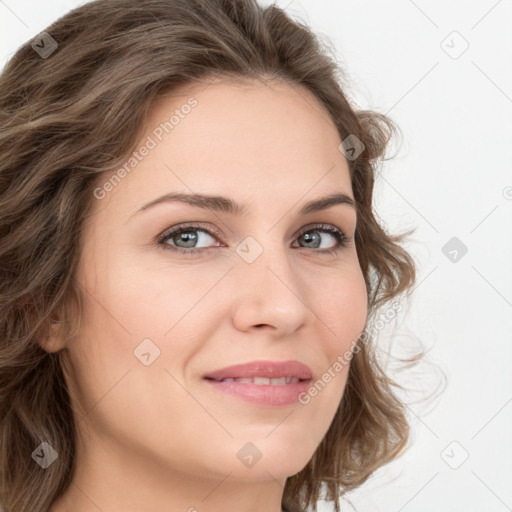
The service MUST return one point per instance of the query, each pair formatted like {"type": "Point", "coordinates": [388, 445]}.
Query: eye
{"type": "Point", "coordinates": [312, 238]}
{"type": "Point", "coordinates": [185, 239]}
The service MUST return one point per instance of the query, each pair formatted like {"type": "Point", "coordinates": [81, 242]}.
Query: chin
{"type": "Point", "coordinates": [275, 456]}
{"type": "Point", "coordinates": [263, 471]}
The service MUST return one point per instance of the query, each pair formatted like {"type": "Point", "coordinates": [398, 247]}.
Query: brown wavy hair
{"type": "Point", "coordinates": [69, 117]}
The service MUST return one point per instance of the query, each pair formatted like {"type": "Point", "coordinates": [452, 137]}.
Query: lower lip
{"type": "Point", "coordinates": [267, 395]}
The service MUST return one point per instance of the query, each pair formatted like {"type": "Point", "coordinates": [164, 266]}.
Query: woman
{"type": "Point", "coordinates": [190, 266]}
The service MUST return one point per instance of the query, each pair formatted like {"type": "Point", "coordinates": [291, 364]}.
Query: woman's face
{"type": "Point", "coordinates": [161, 314]}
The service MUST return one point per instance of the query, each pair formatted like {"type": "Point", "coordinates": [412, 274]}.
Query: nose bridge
{"type": "Point", "coordinates": [263, 255]}
{"type": "Point", "coordinates": [269, 290]}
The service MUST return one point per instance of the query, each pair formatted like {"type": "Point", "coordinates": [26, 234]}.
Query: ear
{"type": "Point", "coordinates": [55, 338]}
{"type": "Point", "coordinates": [54, 333]}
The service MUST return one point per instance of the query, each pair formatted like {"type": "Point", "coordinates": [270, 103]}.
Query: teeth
{"type": "Point", "coordinates": [281, 381]}
{"type": "Point", "coordinates": [261, 380]}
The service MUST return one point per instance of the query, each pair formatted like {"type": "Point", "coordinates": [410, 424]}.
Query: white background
{"type": "Point", "coordinates": [451, 178]}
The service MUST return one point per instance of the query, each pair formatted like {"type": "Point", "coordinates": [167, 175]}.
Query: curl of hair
{"type": "Point", "coordinates": [67, 120]}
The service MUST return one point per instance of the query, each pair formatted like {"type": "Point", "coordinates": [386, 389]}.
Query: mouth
{"type": "Point", "coordinates": [264, 372]}
{"type": "Point", "coordinates": [263, 383]}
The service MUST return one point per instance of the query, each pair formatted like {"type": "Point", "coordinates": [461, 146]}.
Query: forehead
{"type": "Point", "coordinates": [241, 139]}
{"type": "Point", "coordinates": [256, 115]}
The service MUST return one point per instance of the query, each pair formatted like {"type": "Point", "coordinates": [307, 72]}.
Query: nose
{"type": "Point", "coordinates": [268, 293]}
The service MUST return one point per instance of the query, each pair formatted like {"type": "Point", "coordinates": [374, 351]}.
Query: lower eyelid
{"type": "Point", "coordinates": [167, 236]}
{"type": "Point", "coordinates": [339, 235]}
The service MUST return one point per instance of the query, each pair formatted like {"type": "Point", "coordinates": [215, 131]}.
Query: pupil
{"type": "Point", "coordinates": [188, 237]}
{"type": "Point", "coordinates": [308, 238]}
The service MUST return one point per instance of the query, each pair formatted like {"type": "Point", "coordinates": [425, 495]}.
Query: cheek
{"type": "Point", "coordinates": [128, 312]}
{"type": "Point", "coordinates": [161, 303]}
{"type": "Point", "coordinates": [144, 300]}
{"type": "Point", "coordinates": [344, 308]}
{"type": "Point", "coordinates": [150, 314]}
{"type": "Point", "coordinates": [340, 307]}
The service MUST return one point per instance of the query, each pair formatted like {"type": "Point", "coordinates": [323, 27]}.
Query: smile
{"type": "Point", "coordinates": [263, 381]}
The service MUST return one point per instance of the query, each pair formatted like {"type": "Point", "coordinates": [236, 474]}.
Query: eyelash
{"type": "Point", "coordinates": [340, 237]}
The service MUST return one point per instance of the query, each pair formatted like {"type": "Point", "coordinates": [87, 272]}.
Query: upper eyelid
{"type": "Point", "coordinates": [199, 226]}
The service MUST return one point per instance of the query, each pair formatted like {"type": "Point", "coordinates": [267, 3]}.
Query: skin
{"type": "Point", "coordinates": [157, 438]}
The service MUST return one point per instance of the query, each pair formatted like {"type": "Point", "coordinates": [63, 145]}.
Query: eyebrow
{"type": "Point", "coordinates": [227, 205]}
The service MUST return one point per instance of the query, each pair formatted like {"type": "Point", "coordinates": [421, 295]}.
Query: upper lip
{"type": "Point", "coordinates": [268, 369]}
